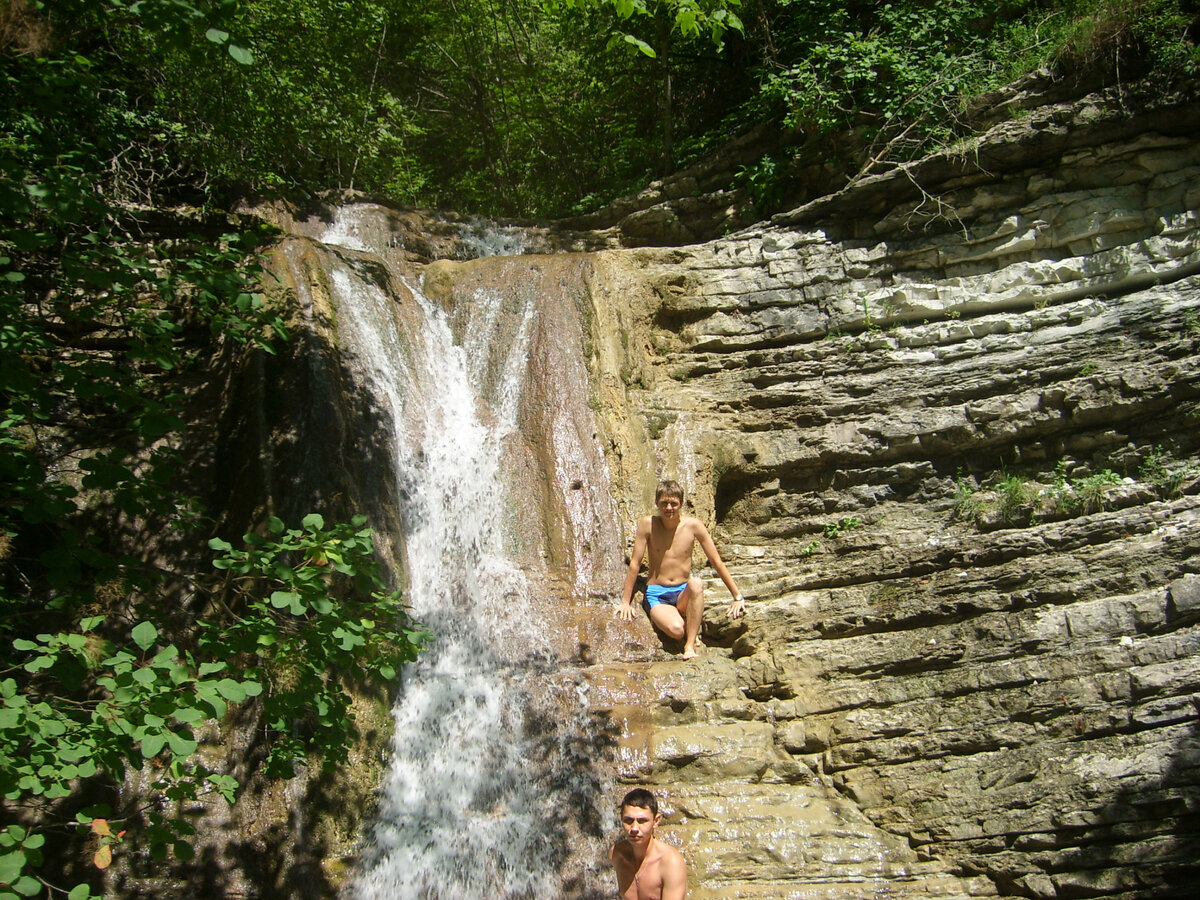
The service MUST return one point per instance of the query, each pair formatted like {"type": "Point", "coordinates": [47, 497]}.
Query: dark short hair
{"type": "Point", "coordinates": [669, 488]}
{"type": "Point", "coordinates": [642, 798]}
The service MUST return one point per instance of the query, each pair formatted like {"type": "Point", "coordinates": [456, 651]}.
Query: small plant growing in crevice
{"type": "Point", "coordinates": [1092, 489]}
{"type": "Point", "coordinates": [1166, 475]}
{"type": "Point", "coordinates": [869, 323]}
{"type": "Point", "coordinates": [810, 548]}
{"type": "Point", "coordinates": [1016, 496]}
{"type": "Point", "coordinates": [967, 504]}
{"type": "Point", "coordinates": [834, 529]}
{"type": "Point", "coordinates": [1061, 494]}
{"type": "Point", "coordinates": [764, 181]}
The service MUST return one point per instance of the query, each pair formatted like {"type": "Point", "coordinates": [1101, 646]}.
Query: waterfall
{"type": "Point", "coordinates": [485, 787]}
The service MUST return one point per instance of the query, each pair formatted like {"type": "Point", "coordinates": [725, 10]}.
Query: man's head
{"type": "Point", "coordinates": [669, 500]}
{"type": "Point", "coordinates": [639, 815]}
{"type": "Point", "coordinates": [669, 488]}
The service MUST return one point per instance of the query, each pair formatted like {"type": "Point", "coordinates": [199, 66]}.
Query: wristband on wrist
{"type": "Point", "coordinates": [739, 599]}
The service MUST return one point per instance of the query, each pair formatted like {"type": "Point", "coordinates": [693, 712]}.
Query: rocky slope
{"type": "Point", "coordinates": [945, 424]}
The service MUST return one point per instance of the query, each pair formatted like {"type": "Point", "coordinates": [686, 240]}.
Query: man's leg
{"type": "Point", "coordinates": [691, 608]}
{"type": "Point", "coordinates": [666, 618]}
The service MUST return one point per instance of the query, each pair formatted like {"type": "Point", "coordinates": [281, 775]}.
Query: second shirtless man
{"type": "Point", "coordinates": [675, 596]}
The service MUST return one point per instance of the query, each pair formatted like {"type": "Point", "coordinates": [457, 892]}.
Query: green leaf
{"type": "Point", "coordinates": [231, 690]}
{"type": "Point", "coordinates": [241, 54]}
{"type": "Point", "coordinates": [281, 599]}
{"type": "Point", "coordinates": [216, 35]}
{"type": "Point", "coordinates": [188, 715]}
{"type": "Point", "coordinates": [212, 698]}
{"type": "Point", "coordinates": [181, 745]}
{"type": "Point", "coordinates": [152, 745]}
{"type": "Point", "coordinates": [314, 522]}
{"type": "Point", "coordinates": [27, 886]}
{"type": "Point", "coordinates": [641, 45]}
{"type": "Point", "coordinates": [144, 634]}
{"type": "Point", "coordinates": [11, 864]}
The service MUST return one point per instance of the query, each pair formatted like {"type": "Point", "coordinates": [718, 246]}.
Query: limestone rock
{"type": "Point", "coordinates": [948, 446]}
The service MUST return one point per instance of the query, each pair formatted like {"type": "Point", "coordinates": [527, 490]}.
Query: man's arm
{"type": "Point", "coordinates": [674, 874]}
{"type": "Point", "coordinates": [738, 606]}
{"type": "Point", "coordinates": [641, 539]}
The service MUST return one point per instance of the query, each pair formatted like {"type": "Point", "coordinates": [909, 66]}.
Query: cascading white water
{"type": "Point", "coordinates": [461, 813]}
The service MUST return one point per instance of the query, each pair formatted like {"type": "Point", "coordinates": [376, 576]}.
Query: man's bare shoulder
{"type": "Point", "coordinates": [644, 525]}
{"type": "Point", "coordinates": [692, 524]}
{"type": "Point", "coordinates": [667, 852]}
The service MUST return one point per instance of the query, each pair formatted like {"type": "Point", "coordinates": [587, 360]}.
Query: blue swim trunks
{"type": "Point", "coordinates": [663, 593]}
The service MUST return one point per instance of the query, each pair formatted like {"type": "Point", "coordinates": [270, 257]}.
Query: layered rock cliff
{"type": "Point", "coordinates": [945, 424]}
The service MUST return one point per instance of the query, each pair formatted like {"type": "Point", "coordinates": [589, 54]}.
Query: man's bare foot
{"type": "Point", "coordinates": [689, 652]}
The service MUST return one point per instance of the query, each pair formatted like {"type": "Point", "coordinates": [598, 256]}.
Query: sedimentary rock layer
{"type": "Point", "coordinates": [948, 437]}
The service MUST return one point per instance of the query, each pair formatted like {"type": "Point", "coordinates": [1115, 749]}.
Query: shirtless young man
{"type": "Point", "coordinates": [647, 869]}
{"type": "Point", "coordinates": [674, 595]}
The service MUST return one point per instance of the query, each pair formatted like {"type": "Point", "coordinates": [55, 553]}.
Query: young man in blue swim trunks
{"type": "Point", "coordinates": [674, 596]}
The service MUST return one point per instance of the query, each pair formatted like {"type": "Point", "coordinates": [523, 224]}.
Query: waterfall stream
{"type": "Point", "coordinates": [487, 794]}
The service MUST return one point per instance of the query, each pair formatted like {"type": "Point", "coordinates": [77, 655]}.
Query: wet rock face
{"type": "Point", "coordinates": [951, 449]}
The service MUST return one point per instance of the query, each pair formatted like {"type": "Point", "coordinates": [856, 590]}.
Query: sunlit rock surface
{"type": "Point", "coordinates": [947, 428]}
{"type": "Point", "coordinates": [944, 426]}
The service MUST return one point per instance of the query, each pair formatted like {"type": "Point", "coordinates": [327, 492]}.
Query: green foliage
{"type": "Point", "coordinates": [317, 110]}
{"type": "Point", "coordinates": [833, 530]}
{"type": "Point", "coordinates": [1013, 497]}
{"type": "Point", "coordinates": [326, 613]}
{"type": "Point", "coordinates": [1016, 496]}
{"type": "Point", "coordinates": [967, 504]}
{"type": "Point", "coordinates": [691, 18]}
{"type": "Point", "coordinates": [81, 705]}
{"type": "Point", "coordinates": [902, 74]}
{"type": "Point", "coordinates": [875, 64]}
{"type": "Point", "coordinates": [763, 181]}
{"type": "Point", "coordinates": [1091, 489]}
{"type": "Point", "coordinates": [1167, 475]}
{"type": "Point", "coordinates": [106, 307]}
{"type": "Point", "coordinates": [1133, 35]}
{"type": "Point", "coordinates": [1086, 493]}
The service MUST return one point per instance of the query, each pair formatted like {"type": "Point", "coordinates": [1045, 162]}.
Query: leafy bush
{"type": "Point", "coordinates": [82, 705]}
{"type": "Point", "coordinates": [107, 308]}
{"type": "Point", "coordinates": [326, 622]}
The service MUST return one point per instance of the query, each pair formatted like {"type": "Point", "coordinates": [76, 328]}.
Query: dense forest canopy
{"type": "Point", "coordinates": [544, 107]}
{"type": "Point", "coordinates": [128, 127]}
